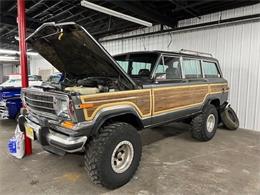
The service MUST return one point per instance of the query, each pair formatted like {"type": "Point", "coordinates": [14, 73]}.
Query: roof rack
{"type": "Point", "coordinates": [198, 53]}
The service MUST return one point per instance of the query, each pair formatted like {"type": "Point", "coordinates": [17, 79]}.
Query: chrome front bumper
{"type": "Point", "coordinates": [3, 110]}
{"type": "Point", "coordinates": [60, 141]}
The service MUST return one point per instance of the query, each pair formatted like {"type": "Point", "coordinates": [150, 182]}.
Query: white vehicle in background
{"type": "Point", "coordinates": [15, 80]}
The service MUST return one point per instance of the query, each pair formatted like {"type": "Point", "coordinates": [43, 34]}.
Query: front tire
{"type": "Point", "coordinates": [204, 125]}
{"type": "Point", "coordinates": [113, 156]}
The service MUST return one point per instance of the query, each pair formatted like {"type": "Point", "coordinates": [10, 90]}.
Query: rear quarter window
{"type": "Point", "coordinates": [210, 69]}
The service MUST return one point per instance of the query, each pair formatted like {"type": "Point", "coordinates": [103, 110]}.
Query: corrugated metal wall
{"type": "Point", "coordinates": [237, 46]}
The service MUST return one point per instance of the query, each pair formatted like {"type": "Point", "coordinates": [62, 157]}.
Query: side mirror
{"type": "Point", "coordinates": [160, 77]}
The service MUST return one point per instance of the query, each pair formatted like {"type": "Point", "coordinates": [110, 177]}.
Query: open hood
{"type": "Point", "coordinates": [72, 50]}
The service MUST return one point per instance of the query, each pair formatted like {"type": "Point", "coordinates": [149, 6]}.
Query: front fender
{"type": "Point", "coordinates": [112, 112]}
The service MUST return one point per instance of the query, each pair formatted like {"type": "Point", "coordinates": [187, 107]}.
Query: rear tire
{"type": "Point", "coordinates": [230, 119]}
{"type": "Point", "coordinates": [204, 125]}
{"type": "Point", "coordinates": [113, 156]}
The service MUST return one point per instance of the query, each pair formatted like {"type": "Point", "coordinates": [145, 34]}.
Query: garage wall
{"type": "Point", "coordinates": [7, 69]}
{"type": "Point", "coordinates": [40, 66]}
{"type": "Point", "coordinates": [237, 46]}
{"type": "Point", "coordinates": [10, 69]}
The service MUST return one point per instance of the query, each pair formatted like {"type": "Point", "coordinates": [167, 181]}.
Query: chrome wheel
{"type": "Point", "coordinates": [122, 156]}
{"type": "Point", "coordinates": [211, 120]}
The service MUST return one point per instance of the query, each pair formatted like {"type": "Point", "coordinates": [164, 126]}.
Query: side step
{"type": "Point", "coordinates": [54, 150]}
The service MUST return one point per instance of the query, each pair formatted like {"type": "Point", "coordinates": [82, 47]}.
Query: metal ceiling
{"type": "Point", "coordinates": [164, 12]}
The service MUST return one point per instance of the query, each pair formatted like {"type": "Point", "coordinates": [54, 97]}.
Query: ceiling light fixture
{"type": "Point", "coordinates": [8, 58]}
{"type": "Point", "coordinates": [105, 10]}
{"type": "Point", "coordinates": [7, 51]}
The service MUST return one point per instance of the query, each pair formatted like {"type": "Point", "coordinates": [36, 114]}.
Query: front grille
{"type": "Point", "coordinates": [39, 102]}
{"type": "Point", "coordinates": [39, 97]}
{"type": "Point", "coordinates": [2, 109]}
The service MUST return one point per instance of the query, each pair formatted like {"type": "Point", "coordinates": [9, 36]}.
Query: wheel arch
{"type": "Point", "coordinates": [213, 101]}
{"type": "Point", "coordinates": [128, 115]}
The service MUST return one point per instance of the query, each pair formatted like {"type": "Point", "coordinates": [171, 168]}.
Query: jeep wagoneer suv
{"type": "Point", "coordinates": [104, 101]}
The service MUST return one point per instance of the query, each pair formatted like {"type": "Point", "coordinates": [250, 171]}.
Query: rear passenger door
{"type": "Point", "coordinates": [198, 86]}
{"type": "Point", "coordinates": [192, 70]}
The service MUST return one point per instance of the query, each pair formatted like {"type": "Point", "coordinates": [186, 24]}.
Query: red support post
{"type": "Point", "coordinates": [23, 58]}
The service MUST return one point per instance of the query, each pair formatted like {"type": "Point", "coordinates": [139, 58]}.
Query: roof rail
{"type": "Point", "coordinates": [198, 53]}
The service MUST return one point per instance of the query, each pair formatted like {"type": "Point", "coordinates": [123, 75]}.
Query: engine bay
{"type": "Point", "coordinates": [91, 85]}
{"type": "Point", "coordinates": [87, 86]}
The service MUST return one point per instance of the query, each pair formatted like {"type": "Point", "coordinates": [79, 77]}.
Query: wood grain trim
{"type": "Point", "coordinates": [144, 100]}
{"type": "Point", "coordinates": [115, 93]}
{"type": "Point", "coordinates": [219, 88]}
{"type": "Point", "coordinates": [178, 98]}
{"type": "Point", "coordinates": [140, 100]}
{"type": "Point", "coordinates": [192, 98]}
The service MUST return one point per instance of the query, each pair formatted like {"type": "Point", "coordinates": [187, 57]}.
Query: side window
{"type": "Point", "coordinates": [14, 80]}
{"type": "Point", "coordinates": [210, 69]}
{"type": "Point", "coordinates": [124, 65]}
{"type": "Point", "coordinates": [191, 68]}
{"type": "Point", "coordinates": [140, 66]}
{"type": "Point", "coordinates": [168, 68]}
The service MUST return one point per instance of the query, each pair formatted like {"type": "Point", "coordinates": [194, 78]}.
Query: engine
{"type": "Point", "coordinates": [93, 85]}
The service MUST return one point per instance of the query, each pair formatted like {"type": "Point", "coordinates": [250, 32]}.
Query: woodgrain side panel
{"type": "Point", "coordinates": [199, 93]}
{"type": "Point", "coordinates": [219, 88]}
{"type": "Point", "coordinates": [167, 99]}
{"type": "Point", "coordinates": [139, 99]}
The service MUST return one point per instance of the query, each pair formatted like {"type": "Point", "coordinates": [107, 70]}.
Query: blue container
{"type": "Point", "coordinates": [12, 145]}
{"type": "Point", "coordinates": [12, 102]}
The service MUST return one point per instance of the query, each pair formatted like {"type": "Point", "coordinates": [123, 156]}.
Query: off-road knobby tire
{"type": "Point", "coordinates": [199, 124]}
{"type": "Point", "coordinates": [187, 120]}
{"type": "Point", "coordinates": [99, 152]}
{"type": "Point", "coordinates": [229, 118]}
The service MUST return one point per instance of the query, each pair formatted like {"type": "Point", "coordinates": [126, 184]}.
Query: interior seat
{"type": "Point", "coordinates": [172, 73]}
{"type": "Point", "coordinates": [144, 72]}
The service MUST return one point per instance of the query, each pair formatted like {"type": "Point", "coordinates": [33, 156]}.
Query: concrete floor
{"type": "Point", "coordinates": [172, 163]}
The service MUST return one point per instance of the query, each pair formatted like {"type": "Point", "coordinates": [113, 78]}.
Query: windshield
{"type": "Point", "coordinates": [137, 65]}
{"type": "Point", "coordinates": [54, 79]}
{"type": "Point", "coordinates": [17, 82]}
{"type": "Point", "coordinates": [34, 78]}
{"type": "Point", "coordinates": [11, 81]}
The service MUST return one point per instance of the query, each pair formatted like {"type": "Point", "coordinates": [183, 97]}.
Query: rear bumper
{"type": "Point", "coordinates": [4, 114]}
{"type": "Point", "coordinates": [46, 137]}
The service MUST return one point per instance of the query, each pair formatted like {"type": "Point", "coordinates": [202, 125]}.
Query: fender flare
{"type": "Point", "coordinates": [112, 113]}
{"type": "Point", "coordinates": [208, 101]}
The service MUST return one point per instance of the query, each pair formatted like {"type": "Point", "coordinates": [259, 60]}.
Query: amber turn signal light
{"type": "Point", "coordinates": [68, 124]}
{"type": "Point", "coordinates": [86, 105]}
